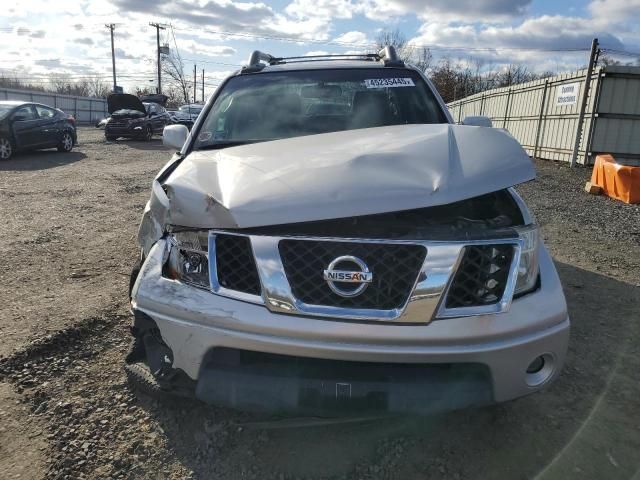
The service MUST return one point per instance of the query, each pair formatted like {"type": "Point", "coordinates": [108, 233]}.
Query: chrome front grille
{"type": "Point", "coordinates": [412, 281]}
{"type": "Point", "coordinates": [395, 268]}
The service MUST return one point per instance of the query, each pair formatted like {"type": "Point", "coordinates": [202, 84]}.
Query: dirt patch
{"type": "Point", "coordinates": [67, 412]}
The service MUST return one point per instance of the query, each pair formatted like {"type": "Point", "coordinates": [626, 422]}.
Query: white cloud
{"type": "Point", "coordinates": [615, 10]}
{"type": "Point", "coordinates": [448, 10]}
{"type": "Point", "coordinates": [201, 48]}
{"type": "Point", "coordinates": [45, 37]}
{"type": "Point", "coordinates": [353, 37]}
{"type": "Point", "coordinates": [545, 32]}
{"type": "Point", "coordinates": [328, 9]}
{"type": "Point", "coordinates": [524, 41]}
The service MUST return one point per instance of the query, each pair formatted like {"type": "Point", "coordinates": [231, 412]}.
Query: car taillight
{"type": "Point", "coordinates": [71, 119]}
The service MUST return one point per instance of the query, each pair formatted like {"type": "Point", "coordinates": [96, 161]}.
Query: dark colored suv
{"type": "Point", "coordinates": [133, 117]}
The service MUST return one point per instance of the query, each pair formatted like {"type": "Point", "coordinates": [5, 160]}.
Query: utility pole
{"type": "Point", "coordinates": [203, 85]}
{"type": "Point", "coordinates": [158, 27]}
{"type": "Point", "coordinates": [195, 78]}
{"type": "Point", "coordinates": [111, 26]}
{"type": "Point", "coordinates": [585, 98]}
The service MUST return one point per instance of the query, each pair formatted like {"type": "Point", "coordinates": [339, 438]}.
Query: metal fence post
{"type": "Point", "coordinates": [542, 106]}
{"type": "Point", "coordinates": [506, 110]}
{"type": "Point", "coordinates": [585, 97]}
{"type": "Point", "coordinates": [481, 104]}
{"type": "Point", "coordinates": [594, 112]}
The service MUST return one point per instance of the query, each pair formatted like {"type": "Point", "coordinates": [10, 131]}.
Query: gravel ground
{"type": "Point", "coordinates": [68, 243]}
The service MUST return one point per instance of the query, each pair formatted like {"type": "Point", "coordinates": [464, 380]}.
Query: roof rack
{"type": "Point", "coordinates": [258, 60]}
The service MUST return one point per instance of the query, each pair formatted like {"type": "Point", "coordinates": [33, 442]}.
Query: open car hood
{"type": "Point", "coordinates": [124, 101]}
{"type": "Point", "coordinates": [155, 98]}
{"type": "Point", "coordinates": [342, 174]}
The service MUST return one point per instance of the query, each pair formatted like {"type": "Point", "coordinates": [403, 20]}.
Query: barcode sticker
{"type": "Point", "coordinates": [388, 82]}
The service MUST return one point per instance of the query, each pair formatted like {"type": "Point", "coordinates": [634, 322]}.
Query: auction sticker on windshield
{"type": "Point", "coordinates": [388, 82]}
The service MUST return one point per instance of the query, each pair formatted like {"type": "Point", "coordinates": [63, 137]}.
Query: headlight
{"type": "Point", "coordinates": [528, 268]}
{"type": "Point", "coordinates": [188, 259]}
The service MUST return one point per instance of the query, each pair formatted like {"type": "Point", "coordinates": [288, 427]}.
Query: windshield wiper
{"type": "Point", "coordinates": [228, 143]}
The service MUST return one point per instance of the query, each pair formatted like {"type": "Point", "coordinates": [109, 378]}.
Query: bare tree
{"type": "Point", "coordinates": [140, 91]}
{"type": "Point", "coordinates": [98, 88]}
{"type": "Point", "coordinates": [421, 57]}
{"type": "Point", "coordinates": [173, 67]}
{"type": "Point", "coordinates": [394, 38]}
{"type": "Point", "coordinates": [13, 81]}
{"type": "Point", "coordinates": [63, 83]}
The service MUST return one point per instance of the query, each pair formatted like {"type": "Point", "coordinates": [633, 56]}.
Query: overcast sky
{"type": "Point", "coordinates": [41, 37]}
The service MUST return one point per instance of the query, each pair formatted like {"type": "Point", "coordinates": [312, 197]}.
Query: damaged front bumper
{"type": "Point", "coordinates": [242, 355]}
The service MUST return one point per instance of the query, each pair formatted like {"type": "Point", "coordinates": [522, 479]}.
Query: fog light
{"type": "Point", "coordinates": [536, 365]}
{"type": "Point", "coordinates": [540, 370]}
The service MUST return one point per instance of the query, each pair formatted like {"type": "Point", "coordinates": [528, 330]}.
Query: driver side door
{"type": "Point", "coordinates": [25, 124]}
{"type": "Point", "coordinates": [154, 111]}
{"type": "Point", "coordinates": [48, 126]}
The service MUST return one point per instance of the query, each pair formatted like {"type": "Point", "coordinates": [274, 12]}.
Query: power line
{"type": "Point", "coordinates": [214, 63]}
{"type": "Point", "coordinates": [621, 52]}
{"type": "Point", "coordinates": [368, 44]}
{"type": "Point", "coordinates": [364, 45]}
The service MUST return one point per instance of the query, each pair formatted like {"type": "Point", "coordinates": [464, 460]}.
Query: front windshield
{"type": "Point", "coordinates": [4, 110]}
{"type": "Point", "coordinates": [269, 106]}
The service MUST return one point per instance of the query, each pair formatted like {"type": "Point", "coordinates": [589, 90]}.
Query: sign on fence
{"type": "Point", "coordinates": [567, 94]}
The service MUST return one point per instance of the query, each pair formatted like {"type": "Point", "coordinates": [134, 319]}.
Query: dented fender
{"type": "Point", "coordinates": [154, 218]}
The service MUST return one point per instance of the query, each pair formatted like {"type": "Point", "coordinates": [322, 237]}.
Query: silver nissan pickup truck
{"type": "Point", "coordinates": [327, 241]}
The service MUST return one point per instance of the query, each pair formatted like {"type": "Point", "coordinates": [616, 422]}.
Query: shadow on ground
{"type": "Point", "coordinates": [39, 160]}
{"type": "Point", "coordinates": [583, 426]}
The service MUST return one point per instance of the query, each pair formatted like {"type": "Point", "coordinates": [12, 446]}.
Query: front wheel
{"type": "Point", "coordinates": [110, 138]}
{"type": "Point", "coordinates": [6, 149]}
{"type": "Point", "coordinates": [66, 143]}
{"type": "Point", "coordinates": [148, 133]}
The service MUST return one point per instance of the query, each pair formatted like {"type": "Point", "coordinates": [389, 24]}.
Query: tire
{"type": "Point", "coordinates": [66, 143]}
{"type": "Point", "coordinates": [110, 138]}
{"type": "Point", "coordinates": [6, 149]}
{"type": "Point", "coordinates": [148, 133]}
{"type": "Point", "coordinates": [142, 380]}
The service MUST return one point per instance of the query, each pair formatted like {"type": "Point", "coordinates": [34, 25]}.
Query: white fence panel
{"type": "Point", "coordinates": [542, 115]}
{"type": "Point", "coordinates": [85, 109]}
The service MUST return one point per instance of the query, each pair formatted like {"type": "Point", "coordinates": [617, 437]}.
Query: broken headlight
{"type": "Point", "coordinates": [188, 258]}
{"type": "Point", "coordinates": [528, 268]}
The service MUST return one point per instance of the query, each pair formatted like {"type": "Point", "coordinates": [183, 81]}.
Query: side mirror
{"type": "Point", "coordinates": [477, 121]}
{"type": "Point", "coordinates": [153, 114]}
{"type": "Point", "coordinates": [174, 136]}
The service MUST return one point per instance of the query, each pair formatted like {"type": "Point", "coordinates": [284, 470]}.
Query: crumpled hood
{"type": "Point", "coordinates": [343, 174]}
{"type": "Point", "coordinates": [124, 101]}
